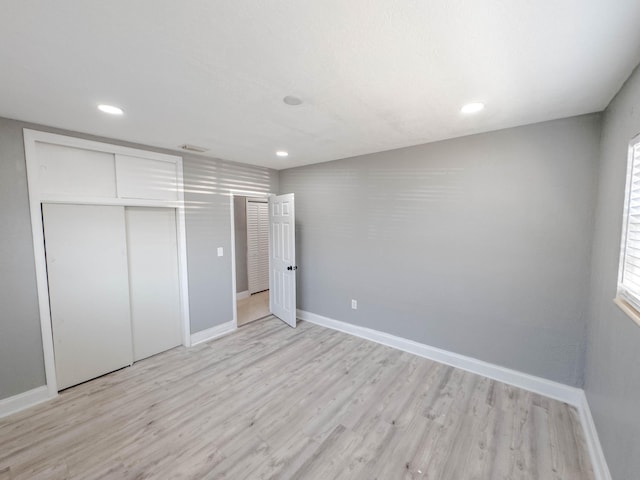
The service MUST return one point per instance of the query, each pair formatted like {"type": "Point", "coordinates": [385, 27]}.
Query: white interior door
{"type": "Point", "coordinates": [153, 280]}
{"type": "Point", "coordinates": [282, 258]}
{"type": "Point", "coordinates": [86, 255]}
{"type": "Point", "coordinates": [257, 245]}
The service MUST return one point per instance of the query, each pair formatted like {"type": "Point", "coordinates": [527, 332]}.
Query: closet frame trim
{"type": "Point", "coordinates": [37, 198]}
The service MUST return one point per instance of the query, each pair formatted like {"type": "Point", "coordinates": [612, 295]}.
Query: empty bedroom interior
{"type": "Point", "coordinates": [460, 270]}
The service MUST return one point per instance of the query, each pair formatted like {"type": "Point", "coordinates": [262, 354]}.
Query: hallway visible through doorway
{"type": "Point", "coordinates": [253, 307]}
{"type": "Point", "coordinates": [251, 224]}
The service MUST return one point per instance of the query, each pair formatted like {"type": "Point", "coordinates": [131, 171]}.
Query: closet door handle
{"type": "Point", "coordinates": [292, 267]}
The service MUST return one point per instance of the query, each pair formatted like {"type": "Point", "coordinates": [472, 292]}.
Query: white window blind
{"type": "Point", "coordinates": [257, 246]}
{"type": "Point", "coordinates": [629, 278]}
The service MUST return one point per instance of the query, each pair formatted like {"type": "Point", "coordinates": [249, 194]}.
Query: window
{"type": "Point", "coordinates": [629, 272]}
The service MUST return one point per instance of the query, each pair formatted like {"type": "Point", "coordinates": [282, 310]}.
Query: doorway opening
{"type": "Point", "coordinates": [251, 228]}
{"type": "Point", "coordinates": [267, 223]}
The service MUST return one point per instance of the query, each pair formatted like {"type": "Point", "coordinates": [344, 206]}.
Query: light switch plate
{"type": "Point", "coordinates": [220, 251]}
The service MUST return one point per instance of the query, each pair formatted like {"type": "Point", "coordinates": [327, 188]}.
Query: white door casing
{"type": "Point", "coordinates": [88, 290]}
{"type": "Point", "coordinates": [282, 258]}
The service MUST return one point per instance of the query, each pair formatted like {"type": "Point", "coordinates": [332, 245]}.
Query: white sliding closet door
{"type": "Point", "coordinates": [258, 246]}
{"type": "Point", "coordinates": [88, 290]}
{"type": "Point", "coordinates": [153, 280]}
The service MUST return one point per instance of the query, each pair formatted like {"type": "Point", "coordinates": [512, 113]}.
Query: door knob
{"type": "Point", "coordinates": [292, 267]}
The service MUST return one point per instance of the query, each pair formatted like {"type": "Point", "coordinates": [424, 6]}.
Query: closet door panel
{"type": "Point", "coordinates": [153, 276]}
{"type": "Point", "coordinates": [75, 172]}
{"type": "Point", "coordinates": [88, 290]}
{"type": "Point", "coordinates": [146, 178]}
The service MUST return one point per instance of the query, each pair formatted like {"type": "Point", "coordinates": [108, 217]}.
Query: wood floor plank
{"type": "Point", "coordinates": [271, 402]}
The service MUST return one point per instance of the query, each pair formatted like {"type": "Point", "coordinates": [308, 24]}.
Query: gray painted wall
{"type": "Point", "coordinates": [612, 372]}
{"type": "Point", "coordinates": [240, 221]}
{"type": "Point", "coordinates": [21, 358]}
{"type": "Point", "coordinates": [208, 224]}
{"type": "Point", "coordinates": [207, 185]}
{"type": "Point", "coordinates": [478, 245]}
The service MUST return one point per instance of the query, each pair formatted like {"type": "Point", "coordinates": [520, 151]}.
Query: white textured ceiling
{"type": "Point", "coordinates": [374, 74]}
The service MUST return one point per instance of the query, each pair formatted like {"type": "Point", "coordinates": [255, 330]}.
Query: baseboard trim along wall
{"type": "Point", "coordinates": [38, 395]}
{"type": "Point", "coordinates": [548, 388]}
{"type": "Point", "coordinates": [213, 332]}
{"type": "Point", "coordinates": [24, 400]}
{"type": "Point", "coordinates": [600, 467]}
{"type": "Point", "coordinates": [558, 391]}
{"type": "Point", "coordinates": [241, 295]}
{"type": "Point", "coordinates": [564, 393]}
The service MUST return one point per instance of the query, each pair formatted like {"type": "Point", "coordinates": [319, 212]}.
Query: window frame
{"type": "Point", "coordinates": [626, 298]}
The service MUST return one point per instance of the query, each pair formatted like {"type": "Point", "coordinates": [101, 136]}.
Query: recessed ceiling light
{"type": "Point", "coordinates": [291, 100]}
{"type": "Point", "coordinates": [472, 107]}
{"type": "Point", "coordinates": [110, 109]}
{"type": "Point", "coordinates": [282, 153]}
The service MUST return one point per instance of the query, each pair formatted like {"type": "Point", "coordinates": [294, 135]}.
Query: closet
{"type": "Point", "coordinates": [88, 290]}
{"type": "Point", "coordinates": [112, 233]}
{"type": "Point", "coordinates": [257, 245]}
{"type": "Point", "coordinates": [153, 280]}
{"type": "Point", "coordinates": [113, 286]}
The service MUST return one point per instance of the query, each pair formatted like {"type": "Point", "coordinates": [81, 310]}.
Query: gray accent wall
{"type": "Point", "coordinates": [21, 357]}
{"type": "Point", "coordinates": [208, 225]}
{"type": "Point", "coordinates": [478, 245]}
{"type": "Point", "coordinates": [240, 221]}
{"type": "Point", "coordinates": [612, 371]}
{"type": "Point", "coordinates": [207, 185]}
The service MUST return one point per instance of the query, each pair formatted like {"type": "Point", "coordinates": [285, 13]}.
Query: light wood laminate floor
{"type": "Point", "coordinates": [253, 307]}
{"type": "Point", "coordinates": [309, 403]}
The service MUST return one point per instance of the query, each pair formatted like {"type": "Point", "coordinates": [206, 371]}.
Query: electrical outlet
{"type": "Point", "coordinates": [354, 304]}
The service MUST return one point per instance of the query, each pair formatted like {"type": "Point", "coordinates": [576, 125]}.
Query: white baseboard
{"type": "Point", "coordinates": [558, 391]}
{"type": "Point", "coordinates": [24, 400]}
{"type": "Point", "coordinates": [571, 395]}
{"type": "Point", "coordinates": [213, 332]}
{"type": "Point", "coordinates": [548, 388]}
{"type": "Point", "coordinates": [38, 395]}
{"type": "Point", "coordinates": [600, 467]}
{"type": "Point", "coordinates": [241, 295]}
